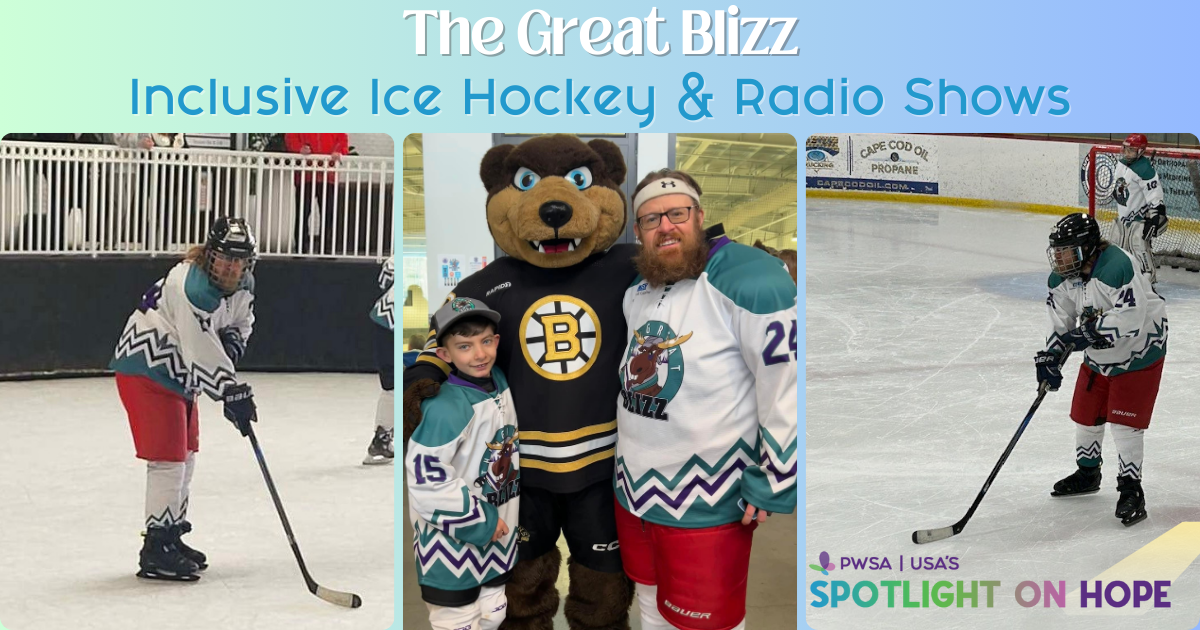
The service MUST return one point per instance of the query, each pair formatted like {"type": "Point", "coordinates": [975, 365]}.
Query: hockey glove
{"type": "Point", "coordinates": [231, 340]}
{"type": "Point", "coordinates": [1155, 222]}
{"type": "Point", "coordinates": [239, 407]}
{"type": "Point", "coordinates": [1049, 371]}
{"type": "Point", "coordinates": [1086, 337]}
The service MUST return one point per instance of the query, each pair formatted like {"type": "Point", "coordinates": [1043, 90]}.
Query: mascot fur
{"type": "Point", "coordinates": [555, 207]}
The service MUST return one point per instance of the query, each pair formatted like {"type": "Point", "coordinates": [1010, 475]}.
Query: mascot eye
{"type": "Point", "coordinates": [526, 179]}
{"type": "Point", "coordinates": [581, 177]}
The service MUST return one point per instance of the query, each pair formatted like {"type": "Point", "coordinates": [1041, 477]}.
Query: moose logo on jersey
{"type": "Point", "coordinates": [560, 337]}
{"type": "Point", "coordinates": [653, 370]}
{"type": "Point", "coordinates": [1121, 191]}
{"type": "Point", "coordinates": [499, 474]}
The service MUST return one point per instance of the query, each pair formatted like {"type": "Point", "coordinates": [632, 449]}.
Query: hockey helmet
{"type": "Point", "coordinates": [230, 254]}
{"type": "Point", "coordinates": [1134, 146]}
{"type": "Point", "coordinates": [1073, 242]}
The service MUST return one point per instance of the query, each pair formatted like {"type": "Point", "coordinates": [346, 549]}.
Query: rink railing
{"type": "Point", "coordinates": [97, 199]}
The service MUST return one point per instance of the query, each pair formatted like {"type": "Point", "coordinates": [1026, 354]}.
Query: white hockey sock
{"type": "Point", "coordinates": [164, 482]}
{"type": "Point", "coordinates": [189, 467]}
{"type": "Point", "coordinates": [1129, 450]}
{"type": "Point", "coordinates": [385, 410]}
{"type": "Point", "coordinates": [1088, 441]}
{"type": "Point", "coordinates": [652, 619]}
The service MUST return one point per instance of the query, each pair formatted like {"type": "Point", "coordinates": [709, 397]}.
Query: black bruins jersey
{"type": "Point", "coordinates": [561, 335]}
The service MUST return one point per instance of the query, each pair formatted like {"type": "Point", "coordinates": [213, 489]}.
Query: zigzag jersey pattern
{"type": "Point", "coordinates": [708, 393]}
{"type": "Point", "coordinates": [383, 313]}
{"type": "Point", "coordinates": [174, 336]}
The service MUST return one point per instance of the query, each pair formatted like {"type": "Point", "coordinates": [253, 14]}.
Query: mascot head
{"type": "Point", "coordinates": [553, 200]}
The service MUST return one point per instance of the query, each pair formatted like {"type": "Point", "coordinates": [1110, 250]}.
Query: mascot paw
{"type": "Point", "coordinates": [418, 391]}
{"type": "Point", "coordinates": [597, 600]}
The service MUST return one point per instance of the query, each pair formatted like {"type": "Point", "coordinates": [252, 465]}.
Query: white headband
{"type": "Point", "coordinates": [664, 186]}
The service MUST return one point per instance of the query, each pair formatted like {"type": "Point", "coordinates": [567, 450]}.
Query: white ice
{"type": "Point", "coordinates": [922, 323]}
{"type": "Point", "coordinates": [71, 510]}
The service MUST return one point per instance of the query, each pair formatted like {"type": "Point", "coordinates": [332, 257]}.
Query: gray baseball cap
{"type": "Point", "coordinates": [460, 308]}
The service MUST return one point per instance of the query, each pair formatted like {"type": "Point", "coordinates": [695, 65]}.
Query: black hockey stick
{"type": "Point", "coordinates": [922, 536]}
{"type": "Point", "coordinates": [349, 600]}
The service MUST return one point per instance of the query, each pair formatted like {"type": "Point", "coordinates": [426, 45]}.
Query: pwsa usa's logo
{"type": "Point", "coordinates": [824, 566]}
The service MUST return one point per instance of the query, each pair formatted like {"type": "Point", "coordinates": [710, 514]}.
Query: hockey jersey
{"type": "Point", "coordinates": [707, 414]}
{"type": "Point", "coordinates": [1131, 316]}
{"type": "Point", "coordinates": [560, 344]}
{"type": "Point", "coordinates": [463, 473]}
{"type": "Point", "coordinates": [175, 335]}
{"type": "Point", "coordinates": [1135, 189]}
{"type": "Point", "coordinates": [383, 313]}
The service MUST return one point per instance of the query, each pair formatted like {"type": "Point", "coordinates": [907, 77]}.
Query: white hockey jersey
{"type": "Point", "coordinates": [463, 473]}
{"type": "Point", "coordinates": [174, 336]}
{"type": "Point", "coordinates": [707, 414]}
{"type": "Point", "coordinates": [383, 313]}
{"type": "Point", "coordinates": [1135, 189]}
{"type": "Point", "coordinates": [1132, 317]}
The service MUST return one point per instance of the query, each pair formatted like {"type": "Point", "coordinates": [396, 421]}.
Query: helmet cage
{"type": "Point", "coordinates": [1066, 260]}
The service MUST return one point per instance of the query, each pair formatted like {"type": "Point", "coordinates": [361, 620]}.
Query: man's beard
{"type": "Point", "coordinates": [660, 270]}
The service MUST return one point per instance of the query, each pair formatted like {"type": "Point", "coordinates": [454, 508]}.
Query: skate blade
{"type": "Point", "coordinates": [372, 460]}
{"type": "Point", "coordinates": [1074, 494]}
{"type": "Point", "coordinates": [166, 577]}
{"type": "Point", "coordinates": [1134, 520]}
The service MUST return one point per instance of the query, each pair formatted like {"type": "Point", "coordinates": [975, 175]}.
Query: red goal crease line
{"type": "Point", "coordinates": [1164, 558]}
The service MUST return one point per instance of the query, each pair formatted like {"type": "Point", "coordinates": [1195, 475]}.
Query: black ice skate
{"type": "Point", "coordinates": [198, 557]}
{"type": "Point", "coordinates": [380, 450]}
{"type": "Point", "coordinates": [1086, 480]}
{"type": "Point", "coordinates": [1131, 507]}
{"type": "Point", "coordinates": [161, 558]}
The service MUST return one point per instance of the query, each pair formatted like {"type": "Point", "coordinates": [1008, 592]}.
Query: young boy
{"type": "Point", "coordinates": [464, 476]}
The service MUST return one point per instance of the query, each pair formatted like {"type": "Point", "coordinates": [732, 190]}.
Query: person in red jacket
{"type": "Point", "coordinates": [317, 182]}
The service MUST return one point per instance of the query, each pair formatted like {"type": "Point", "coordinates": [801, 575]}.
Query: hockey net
{"type": "Point", "coordinates": [1179, 175]}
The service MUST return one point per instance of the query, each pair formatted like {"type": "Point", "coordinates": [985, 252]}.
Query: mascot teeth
{"type": "Point", "coordinates": [556, 245]}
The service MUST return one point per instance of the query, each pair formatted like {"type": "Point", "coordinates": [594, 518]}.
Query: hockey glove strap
{"type": "Point", "coordinates": [1048, 370]}
{"type": "Point", "coordinates": [1086, 337]}
{"type": "Point", "coordinates": [1155, 222]}
{"type": "Point", "coordinates": [239, 407]}
{"type": "Point", "coordinates": [231, 340]}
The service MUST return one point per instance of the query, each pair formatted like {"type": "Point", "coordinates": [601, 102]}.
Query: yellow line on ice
{"type": "Point", "coordinates": [1164, 558]}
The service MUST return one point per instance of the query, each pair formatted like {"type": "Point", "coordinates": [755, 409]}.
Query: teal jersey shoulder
{"type": "Point", "coordinates": [1054, 280]}
{"type": "Point", "coordinates": [1113, 267]}
{"type": "Point", "coordinates": [1143, 168]}
{"type": "Point", "coordinates": [445, 416]}
{"type": "Point", "coordinates": [752, 278]}
{"type": "Point", "coordinates": [200, 291]}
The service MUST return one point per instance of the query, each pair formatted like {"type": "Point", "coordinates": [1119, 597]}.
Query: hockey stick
{"type": "Point", "coordinates": [922, 536]}
{"type": "Point", "coordinates": [349, 600]}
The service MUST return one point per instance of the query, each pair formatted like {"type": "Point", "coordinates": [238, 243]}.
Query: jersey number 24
{"type": "Point", "coordinates": [771, 354]}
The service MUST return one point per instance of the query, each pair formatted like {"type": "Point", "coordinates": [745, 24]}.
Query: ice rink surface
{"type": "Point", "coordinates": [922, 324]}
{"type": "Point", "coordinates": [71, 495]}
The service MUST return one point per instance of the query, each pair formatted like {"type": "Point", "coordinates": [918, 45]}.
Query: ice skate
{"type": "Point", "coordinates": [198, 557]}
{"type": "Point", "coordinates": [161, 558]}
{"type": "Point", "coordinates": [1086, 480]}
{"type": "Point", "coordinates": [1131, 507]}
{"type": "Point", "coordinates": [380, 450]}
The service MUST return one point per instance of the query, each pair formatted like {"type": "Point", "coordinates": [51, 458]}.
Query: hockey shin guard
{"type": "Point", "coordinates": [1129, 450]}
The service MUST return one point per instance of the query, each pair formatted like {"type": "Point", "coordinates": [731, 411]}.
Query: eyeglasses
{"type": "Point", "coordinates": [653, 219]}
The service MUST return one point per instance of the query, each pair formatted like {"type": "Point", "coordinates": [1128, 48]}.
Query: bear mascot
{"type": "Point", "coordinates": [555, 207]}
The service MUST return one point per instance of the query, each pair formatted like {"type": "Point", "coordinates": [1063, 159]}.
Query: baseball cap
{"type": "Point", "coordinates": [460, 308]}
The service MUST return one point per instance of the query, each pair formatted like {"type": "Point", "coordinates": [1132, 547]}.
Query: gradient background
{"type": "Point", "coordinates": [1129, 67]}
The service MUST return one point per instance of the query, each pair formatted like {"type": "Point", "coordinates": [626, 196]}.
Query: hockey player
{"type": "Point", "coordinates": [464, 476]}
{"type": "Point", "coordinates": [707, 416]}
{"type": "Point", "coordinates": [185, 337]}
{"type": "Point", "coordinates": [383, 314]}
{"type": "Point", "coordinates": [1100, 304]}
{"type": "Point", "coordinates": [1141, 213]}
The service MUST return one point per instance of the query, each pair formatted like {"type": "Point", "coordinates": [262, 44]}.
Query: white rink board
{"type": "Point", "coordinates": [922, 323]}
{"type": "Point", "coordinates": [72, 495]}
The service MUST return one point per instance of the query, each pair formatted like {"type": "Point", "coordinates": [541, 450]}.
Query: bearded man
{"type": "Point", "coordinates": [707, 417]}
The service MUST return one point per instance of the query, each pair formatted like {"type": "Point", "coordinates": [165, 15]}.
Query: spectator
{"type": "Point", "coordinates": [320, 183]}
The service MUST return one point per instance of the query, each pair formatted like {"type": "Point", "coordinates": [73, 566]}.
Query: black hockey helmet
{"type": "Point", "coordinates": [230, 253]}
{"type": "Point", "coordinates": [1073, 242]}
